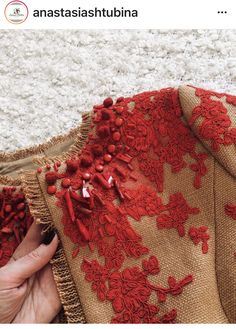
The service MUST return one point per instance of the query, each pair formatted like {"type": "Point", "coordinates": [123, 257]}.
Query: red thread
{"type": "Point", "coordinates": [175, 214]}
{"type": "Point", "coordinates": [198, 235]}
{"type": "Point", "coordinates": [215, 125]}
{"type": "Point", "coordinates": [230, 210]}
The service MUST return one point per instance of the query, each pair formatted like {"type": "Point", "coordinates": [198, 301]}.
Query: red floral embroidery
{"type": "Point", "coordinates": [129, 291]}
{"type": "Point", "coordinates": [198, 235]}
{"type": "Point", "coordinates": [143, 201]}
{"type": "Point", "coordinates": [15, 221]}
{"type": "Point", "coordinates": [216, 124]}
{"type": "Point", "coordinates": [162, 130]}
{"type": "Point", "coordinates": [151, 265]}
{"type": "Point", "coordinates": [230, 99]}
{"type": "Point", "coordinates": [230, 210]}
{"type": "Point", "coordinates": [96, 274]}
{"type": "Point", "coordinates": [133, 137]}
{"type": "Point", "coordinates": [176, 213]}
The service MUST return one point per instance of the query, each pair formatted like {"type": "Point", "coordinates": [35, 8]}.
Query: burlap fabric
{"type": "Point", "coordinates": [210, 297]}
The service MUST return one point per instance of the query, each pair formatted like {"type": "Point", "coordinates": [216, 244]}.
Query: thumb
{"type": "Point", "coordinates": [23, 268]}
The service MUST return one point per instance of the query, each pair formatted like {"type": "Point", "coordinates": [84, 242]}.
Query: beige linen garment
{"type": "Point", "coordinates": [145, 208]}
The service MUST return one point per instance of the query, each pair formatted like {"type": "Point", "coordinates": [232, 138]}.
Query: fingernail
{"type": "Point", "coordinates": [49, 237]}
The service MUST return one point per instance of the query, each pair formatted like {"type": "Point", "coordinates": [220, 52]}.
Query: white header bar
{"type": "Point", "coordinates": [119, 14]}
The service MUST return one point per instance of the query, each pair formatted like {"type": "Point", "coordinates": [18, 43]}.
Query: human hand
{"type": "Point", "coordinates": [28, 292]}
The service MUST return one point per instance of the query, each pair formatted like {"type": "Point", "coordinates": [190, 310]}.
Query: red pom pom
{"type": "Point", "coordinates": [20, 206]}
{"type": "Point", "coordinates": [120, 99]}
{"type": "Point", "coordinates": [108, 102]}
{"type": "Point", "coordinates": [86, 161]}
{"type": "Point", "coordinates": [116, 136]}
{"type": "Point", "coordinates": [66, 182]}
{"type": "Point", "coordinates": [105, 114]}
{"type": "Point", "coordinates": [72, 165]}
{"type": "Point", "coordinates": [103, 131]}
{"type": "Point", "coordinates": [97, 150]}
{"type": "Point", "coordinates": [51, 177]}
{"type": "Point", "coordinates": [51, 189]}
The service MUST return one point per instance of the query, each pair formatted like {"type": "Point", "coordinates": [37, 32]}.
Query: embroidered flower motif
{"type": "Point", "coordinates": [215, 125]}
{"type": "Point", "coordinates": [151, 266]}
{"type": "Point", "coordinates": [175, 288]}
{"type": "Point", "coordinates": [137, 133]}
{"type": "Point", "coordinates": [200, 168]}
{"type": "Point", "coordinates": [230, 210]}
{"type": "Point", "coordinates": [143, 201]}
{"type": "Point", "coordinates": [153, 169]}
{"type": "Point", "coordinates": [198, 235]}
{"type": "Point", "coordinates": [96, 274]}
{"type": "Point", "coordinates": [178, 212]}
{"type": "Point", "coordinates": [146, 101]}
{"type": "Point", "coordinates": [129, 291]}
{"type": "Point", "coordinates": [114, 257]}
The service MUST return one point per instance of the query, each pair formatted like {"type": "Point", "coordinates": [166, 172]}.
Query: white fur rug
{"type": "Point", "coordinates": [49, 77]}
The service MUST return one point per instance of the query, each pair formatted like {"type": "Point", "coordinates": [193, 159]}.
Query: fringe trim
{"type": "Point", "coordinates": [40, 148]}
{"type": "Point", "coordinates": [6, 180]}
{"type": "Point", "coordinates": [70, 300]}
{"type": "Point", "coordinates": [65, 284]}
{"type": "Point", "coordinates": [36, 201]}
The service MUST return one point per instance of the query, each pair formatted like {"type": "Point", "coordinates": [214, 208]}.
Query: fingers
{"type": "Point", "coordinates": [31, 241]}
{"type": "Point", "coordinates": [18, 271]}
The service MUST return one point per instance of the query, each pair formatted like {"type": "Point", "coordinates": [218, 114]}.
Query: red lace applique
{"type": "Point", "coordinates": [15, 221]}
{"type": "Point", "coordinates": [143, 201]}
{"type": "Point", "coordinates": [129, 291]}
{"type": "Point", "coordinates": [198, 235]}
{"type": "Point", "coordinates": [230, 210]}
{"type": "Point", "coordinates": [175, 214]}
{"type": "Point", "coordinates": [215, 125]}
{"type": "Point", "coordinates": [96, 203]}
{"type": "Point", "coordinates": [160, 130]}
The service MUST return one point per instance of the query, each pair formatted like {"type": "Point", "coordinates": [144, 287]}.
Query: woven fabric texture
{"type": "Point", "coordinates": [144, 203]}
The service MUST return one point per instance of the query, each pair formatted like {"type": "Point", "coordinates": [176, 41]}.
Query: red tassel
{"type": "Point", "coordinates": [75, 252]}
{"type": "Point", "coordinates": [120, 171]}
{"type": "Point", "coordinates": [99, 199]}
{"type": "Point", "coordinates": [69, 205]}
{"type": "Point", "coordinates": [83, 230]}
{"type": "Point", "coordinates": [124, 157]}
{"type": "Point", "coordinates": [121, 195]}
{"type": "Point", "coordinates": [101, 180]}
{"type": "Point", "coordinates": [84, 211]}
{"type": "Point", "coordinates": [75, 196]}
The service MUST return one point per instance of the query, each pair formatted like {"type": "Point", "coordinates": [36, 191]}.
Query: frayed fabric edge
{"type": "Point", "coordinates": [65, 284]}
